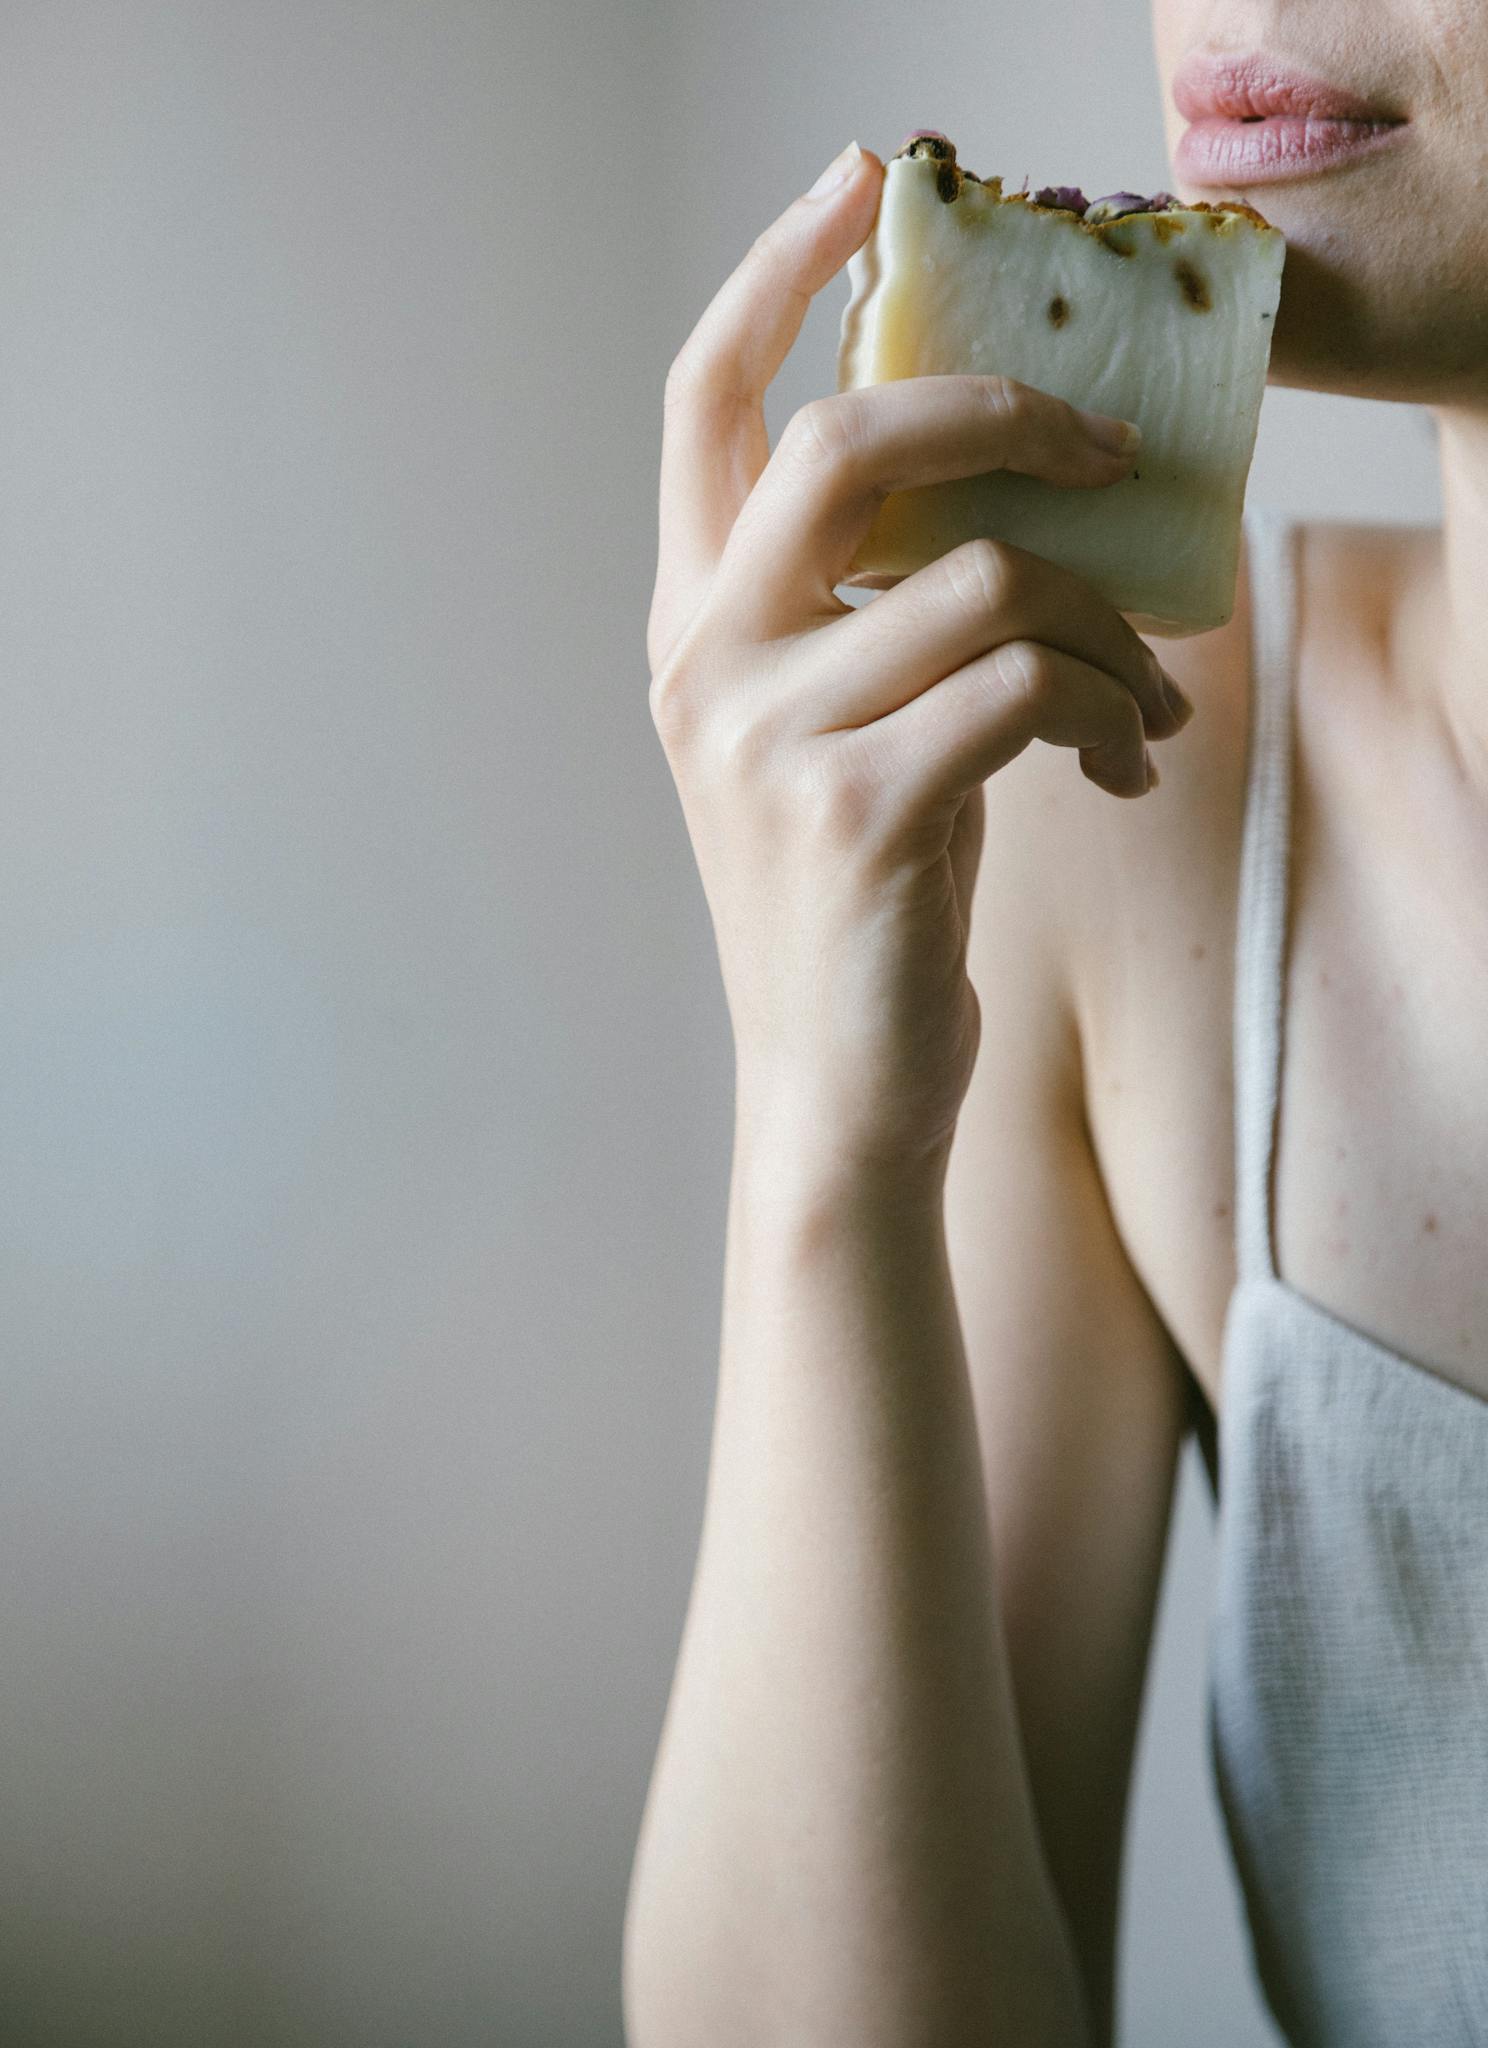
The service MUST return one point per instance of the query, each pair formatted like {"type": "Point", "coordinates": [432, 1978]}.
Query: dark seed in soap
{"type": "Point", "coordinates": [1192, 285]}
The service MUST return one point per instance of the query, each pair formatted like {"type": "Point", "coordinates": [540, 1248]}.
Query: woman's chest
{"type": "Point", "coordinates": [1378, 1196]}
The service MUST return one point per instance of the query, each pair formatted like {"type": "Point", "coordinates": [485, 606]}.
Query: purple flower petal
{"type": "Point", "coordinates": [1070, 197]}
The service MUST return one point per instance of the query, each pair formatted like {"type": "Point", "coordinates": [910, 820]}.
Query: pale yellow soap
{"type": "Point", "coordinates": [1164, 318]}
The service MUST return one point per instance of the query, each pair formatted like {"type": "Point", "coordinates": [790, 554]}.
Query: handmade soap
{"type": "Point", "coordinates": [1149, 309]}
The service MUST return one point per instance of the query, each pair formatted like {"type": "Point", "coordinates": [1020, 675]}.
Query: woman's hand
{"type": "Point", "coordinates": [830, 760]}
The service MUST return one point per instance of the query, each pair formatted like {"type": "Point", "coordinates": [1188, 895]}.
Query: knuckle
{"type": "Point", "coordinates": [682, 378]}
{"type": "Point", "coordinates": [1004, 397]}
{"type": "Point", "coordinates": [1124, 731]}
{"type": "Point", "coordinates": [765, 246]}
{"type": "Point", "coordinates": [845, 808]}
{"type": "Point", "coordinates": [659, 638]}
{"type": "Point", "coordinates": [670, 705]}
{"type": "Point", "coordinates": [980, 573]}
{"type": "Point", "coordinates": [738, 743]}
{"type": "Point", "coordinates": [822, 432]}
{"type": "Point", "coordinates": [845, 798]}
{"type": "Point", "coordinates": [1027, 673]}
{"type": "Point", "coordinates": [683, 664]}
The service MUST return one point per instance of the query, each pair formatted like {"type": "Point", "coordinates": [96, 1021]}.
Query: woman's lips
{"type": "Point", "coordinates": [1221, 150]}
{"type": "Point", "coordinates": [1251, 82]}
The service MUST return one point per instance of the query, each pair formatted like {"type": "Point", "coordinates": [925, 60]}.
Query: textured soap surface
{"type": "Point", "coordinates": [1160, 317]}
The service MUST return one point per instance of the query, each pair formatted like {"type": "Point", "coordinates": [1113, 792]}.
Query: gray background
{"type": "Point", "coordinates": [364, 1073]}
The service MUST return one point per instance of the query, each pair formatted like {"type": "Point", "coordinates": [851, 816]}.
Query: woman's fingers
{"type": "Point", "coordinates": [952, 737]}
{"type": "Point", "coordinates": [793, 541]}
{"type": "Point", "coordinates": [866, 664]}
{"type": "Point", "coordinates": [714, 441]}
{"type": "Point", "coordinates": [957, 667]}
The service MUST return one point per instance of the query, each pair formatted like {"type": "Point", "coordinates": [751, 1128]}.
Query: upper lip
{"type": "Point", "coordinates": [1251, 84]}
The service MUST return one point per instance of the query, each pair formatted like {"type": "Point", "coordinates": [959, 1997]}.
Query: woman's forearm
{"type": "Point", "coordinates": [839, 1846]}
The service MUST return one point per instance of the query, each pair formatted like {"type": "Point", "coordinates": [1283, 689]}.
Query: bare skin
{"type": "Point", "coordinates": [1380, 1203]}
{"type": "Point", "coordinates": [1381, 1195]}
{"type": "Point", "coordinates": [981, 1242]}
{"type": "Point", "coordinates": [841, 1842]}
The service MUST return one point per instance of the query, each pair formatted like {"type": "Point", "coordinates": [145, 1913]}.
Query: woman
{"type": "Point", "coordinates": [889, 1799]}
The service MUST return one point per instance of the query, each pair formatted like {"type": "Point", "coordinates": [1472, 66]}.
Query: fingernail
{"type": "Point", "coordinates": [1180, 706]}
{"type": "Point", "coordinates": [838, 171]}
{"type": "Point", "coordinates": [1121, 437]}
{"type": "Point", "coordinates": [1153, 778]}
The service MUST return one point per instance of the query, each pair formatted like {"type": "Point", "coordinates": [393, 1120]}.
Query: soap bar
{"type": "Point", "coordinates": [1155, 312]}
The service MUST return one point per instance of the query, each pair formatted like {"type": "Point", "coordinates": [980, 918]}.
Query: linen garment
{"type": "Point", "coordinates": [1347, 1704]}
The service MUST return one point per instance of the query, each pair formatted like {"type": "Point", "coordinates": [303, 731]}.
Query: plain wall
{"type": "Point", "coordinates": [364, 1070]}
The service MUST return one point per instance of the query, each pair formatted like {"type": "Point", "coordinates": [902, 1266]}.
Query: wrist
{"type": "Point", "coordinates": [793, 1165]}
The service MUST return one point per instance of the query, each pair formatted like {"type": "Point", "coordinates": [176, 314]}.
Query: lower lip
{"type": "Point", "coordinates": [1221, 151]}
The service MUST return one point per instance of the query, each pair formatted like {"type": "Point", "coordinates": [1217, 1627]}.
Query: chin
{"type": "Point", "coordinates": [1414, 341]}
{"type": "Point", "coordinates": [1385, 290]}
{"type": "Point", "coordinates": [1331, 336]}
{"type": "Point", "coordinates": [1386, 302]}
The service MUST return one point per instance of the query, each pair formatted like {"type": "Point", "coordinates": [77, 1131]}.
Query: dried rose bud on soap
{"type": "Point", "coordinates": [1069, 197]}
{"type": "Point", "coordinates": [1118, 204]}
